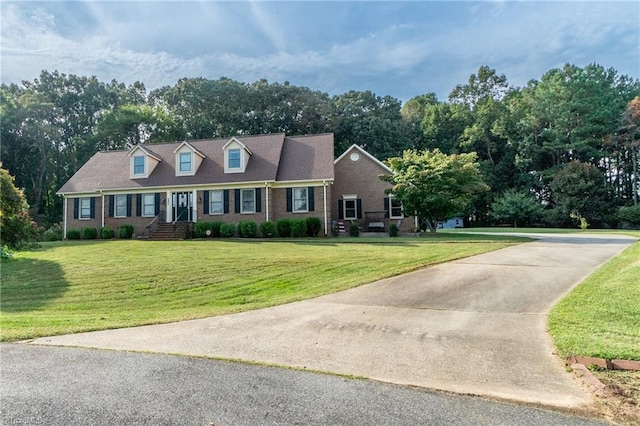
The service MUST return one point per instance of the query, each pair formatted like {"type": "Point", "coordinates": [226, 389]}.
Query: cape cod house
{"type": "Point", "coordinates": [264, 177]}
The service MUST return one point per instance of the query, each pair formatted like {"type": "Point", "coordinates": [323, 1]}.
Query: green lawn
{"type": "Point", "coordinates": [91, 285]}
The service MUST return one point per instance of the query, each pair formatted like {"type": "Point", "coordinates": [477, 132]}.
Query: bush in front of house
{"type": "Point", "coordinates": [73, 234]}
{"type": "Point", "coordinates": [248, 229]}
{"type": "Point", "coordinates": [89, 233]}
{"type": "Point", "coordinates": [125, 232]}
{"type": "Point", "coordinates": [298, 228]}
{"type": "Point", "coordinates": [107, 233]}
{"type": "Point", "coordinates": [393, 230]}
{"type": "Point", "coordinates": [268, 229]}
{"type": "Point", "coordinates": [200, 229]}
{"type": "Point", "coordinates": [314, 225]}
{"type": "Point", "coordinates": [227, 230]}
{"type": "Point", "coordinates": [354, 230]}
{"type": "Point", "coordinates": [215, 229]}
{"type": "Point", "coordinates": [283, 227]}
{"type": "Point", "coordinates": [53, 234]}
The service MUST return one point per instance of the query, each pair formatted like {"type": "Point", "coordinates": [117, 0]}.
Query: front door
{"type": "Point", "coordinates": [182, 202]}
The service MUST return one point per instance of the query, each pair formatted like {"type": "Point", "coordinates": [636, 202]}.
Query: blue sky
{"type": "Point", "coordinates": [401, 49]}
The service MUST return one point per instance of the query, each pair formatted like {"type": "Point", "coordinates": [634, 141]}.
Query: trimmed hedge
{"type": "Point", "coordinates": [268, 229]}
{"type": "Point", "coordinates": [107, 233]}
{"type": "Point", "coordinates": [247, 229]}
{"type": "Point", "coordinates": [73, 234]}
{"type": "Point", "coordinates": [227, 230]}
{"type": "Point", "coordinates": [298, 228]}
{"type": "Point", "coordinates": [354, 230]}
{"type": "Point", "coordinates": [200, 229]}
{"type": "Point", "coordinates": [393, 230]}
{"type": "Point", "coordinates": [283, 226]}
{"type": "Point", "coordinates": [125, 232]}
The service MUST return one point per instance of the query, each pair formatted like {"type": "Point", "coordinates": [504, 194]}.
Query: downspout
{"type": "Point", "coordinates": [324, 202]}
{"type": "Point", "coordinates": [266, 201]}
{"type": "Point", "coordinates": [64, 226]}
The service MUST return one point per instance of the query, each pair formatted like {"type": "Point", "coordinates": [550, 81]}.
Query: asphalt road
{"type": "Point", "coordinates": [73, 386]}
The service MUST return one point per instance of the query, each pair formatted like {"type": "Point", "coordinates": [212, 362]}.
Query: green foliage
{"type": "Point", "coordinates": [54, 233]}
{"type": "Point", "coordinates": [89, 233]}
{"type": "Point", "coordinates": [248, 229]}
{"type": "Point", "coordinates": [298, 228]}
{"type": "Point", "coordinates": [201, 227]}
{"type": "Point", "coordinates": [74, 234]}
{"type": "Point", "coordinates": [516, 207]}
{"type": "Point", "coordinates": [215, 229]}
{"type": "Point", "coordinates": [5, 252]}
{"type": "Point", "coordinates": [393, 230]}
{"type": "Point", "coordinates": [125, 232]}
{"type": "Point", "coordinates": [314, 226]}
{"type": "Point", "coordinates": [354, 229]}
{"type": "Point", "coordinates": [283, 226]}
{"type": "Point", "coordinates": [435, 185]}
{"type": "Point", "coordinates": [16, 227]}
{"type": "Point", "coordinates": [630, 214]}
{"type": "Point", "coordinates": [227, 230]}
{"type": "Point", "coordinates": [268, 229]}
{"type": "Point", "coordinates": [107, 233]}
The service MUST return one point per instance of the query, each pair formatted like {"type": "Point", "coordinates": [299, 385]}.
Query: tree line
{"type": "Point", "coordinates": [583, 122]}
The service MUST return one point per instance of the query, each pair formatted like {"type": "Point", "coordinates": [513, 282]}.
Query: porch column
{"type": "Point", "coordinates": [64, 219]}
{"type": "Point", "coordinates": [194, 207]}
{"type": "Point", "coordinates": [169, 207]}
{"type": "Point", "coordinates": [102, 209]}
{"type": "Point", "coordinates": [324, 206]}
{"type": "Point", "coordinates": [266, 201]}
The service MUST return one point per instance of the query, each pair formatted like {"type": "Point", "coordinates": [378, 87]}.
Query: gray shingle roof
{"type": "Point", "coordinates": [275, 157]}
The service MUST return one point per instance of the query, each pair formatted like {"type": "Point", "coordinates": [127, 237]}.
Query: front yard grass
{"type": "Point", "coordinates": [79, 286]}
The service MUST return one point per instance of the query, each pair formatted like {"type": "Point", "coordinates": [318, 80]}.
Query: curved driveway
{"type": "Point", "coordinates": [473, 326]}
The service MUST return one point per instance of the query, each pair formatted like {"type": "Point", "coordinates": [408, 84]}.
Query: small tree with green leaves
{"type": "Point", "coordinates": [516, 207]}
{"type": "Point", "coordinates": [16, 227]}
{"type": "Point", "coordinates": [433, 185]}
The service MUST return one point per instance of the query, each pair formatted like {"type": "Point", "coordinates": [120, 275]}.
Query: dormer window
{"type": "Point", "coordinates": [141, 162]}
{"type": "Point", "coordinates": [236, 156]}
{"type": "Point", "coordinates": [188, 159]}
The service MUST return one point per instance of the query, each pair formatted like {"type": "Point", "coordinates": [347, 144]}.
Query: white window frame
{"type": "Point", "coordinates": [391, 207]}
{"type": "Point", "coordinates": [242, 200]}
{"type": "Point", "coordinates": [296, 197]}
{"type": "Point", "coordinates": [213, 202]}
{"type": "Point", "coordinates": [180, 162]}
{"type": "Point", "coordinates": [148, 205]}
{"type": "Point", "coordinates": [355, 208]}
{"type": "Point", "coordinates": [85, 209]}
{"type": "Point", "coordinates": [115, 207]}
{"type": "Point", "coordinates": [134, 165]}
{"type": "Point", "coordinates": [229, 152]}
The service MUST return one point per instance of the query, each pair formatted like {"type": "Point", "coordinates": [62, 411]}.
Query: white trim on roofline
{"type": "Point", "coordinates": [371, 157]}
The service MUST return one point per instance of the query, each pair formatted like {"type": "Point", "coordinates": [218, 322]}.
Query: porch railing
{"type": "Point", "coordinates": [160, 217]}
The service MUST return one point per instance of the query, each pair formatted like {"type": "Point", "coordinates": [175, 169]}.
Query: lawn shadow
{"type": "Point", "coordinates": [28, 284]}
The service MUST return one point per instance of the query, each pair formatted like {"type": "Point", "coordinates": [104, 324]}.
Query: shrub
{"type": "Point", "coordinates": [125, 232]}
{"type": "Point", "coordinates": [248, 229]}
{"type": "Point", "coordinates": [393, 230]}
{"type": "Point", "coordinates": [107, 233]}
{"type": "Point", "coordinates": [283, 226]}
{"type": "Point", "coordinates": [314, 225]}
{"type": "Point", "coordinates": [5, 252]}
{"type": "Point", "coordinates": [201, 228]}
{"type": "Point", "coordinates": [54, 233]}
{"type": "Point", "coordinates": [354, 230]}
{"type": "Point", "coordinates": [227, 230]}
{"type": "Point", "coordinates": [298, 228]}
{"type": "Point", "coordinates": [268, 229]}
{"type": "Point", "coordinates": [89, 233]}
{"type": "Point", "coordinates": [73, 234]}
{"type": "Point", "coordinates": [215, 229]}
{"type": "Point", "coordinates": [630, 214]}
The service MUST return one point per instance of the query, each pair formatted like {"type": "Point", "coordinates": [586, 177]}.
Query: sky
{"type": "Point", "coordinates": [395, 48]}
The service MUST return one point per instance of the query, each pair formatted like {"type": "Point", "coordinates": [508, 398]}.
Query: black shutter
{"type": "Point", "coordinates": [387, 206]}
{"type": "Point", "coordinates": [258, 200]}
{"type": "Point", "coordinates": [340, 209]}
{"type": "Point", "coordinates": [359, 207]}
{"type": "Point", "coordinates": [138, 204]}
{"type": "Point", "coordinates": [311, 197]}
{"type": "Point", "coordinates": [129, 205]}
{"type": "Point", "coordinates": [226, 201]}
{"type": "Point", "coordinates": [92, 207]}
{"type": "Point", "coordinates": [205, 202]}
{"type": "Point", "coordinates": [111, 205]}
{"type": "Point", "coordinates": [289, 199]}
{"type": "Point", "coordinates": [76, 207]}
{"type": "Point", "coordinates": [236, 200]}
{"type": "Point", "coordinates": [157, 204]}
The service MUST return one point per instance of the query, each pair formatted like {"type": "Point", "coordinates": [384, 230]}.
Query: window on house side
{"type": "Point", "coordinates": [300, 200]}
{"type": "Point", "coordinates": [149, 205]}
{"type": "Point", "coordinates": [396, 209]}
{"type": "Point", "coordinates": [185, 162]}
{"type": "Point", "coordinates": [85, 208]}
{"type": "Point", "coordinates": [248, 198]}
{"type": "Point", "coordinates": [216, 199]}
{"type": "Point", "coordinates": [234, 159]}
{"type": "Point", "coordinates": [121, 206]}
{"type": "Point", "coordinates": [138, 164]}
{"type": "Point", "coordinates": [350, 211]}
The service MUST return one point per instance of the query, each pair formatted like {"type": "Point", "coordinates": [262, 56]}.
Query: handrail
{"type": "Point", "coordinates": [151, 226]}
{"type": "Point", "coordinates": [183, 212]}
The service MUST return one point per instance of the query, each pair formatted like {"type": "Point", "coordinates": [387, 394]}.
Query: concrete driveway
{"type": "Point", "coordinates": [474, 326]}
